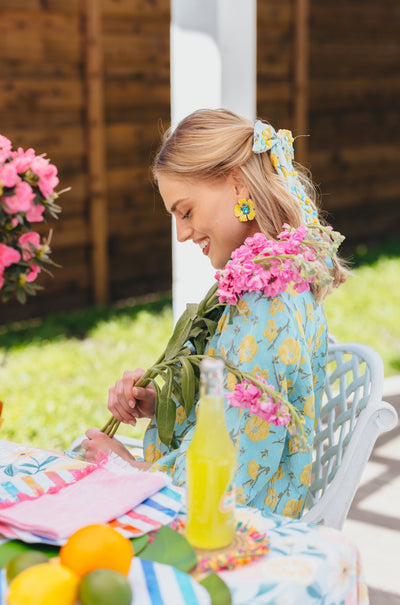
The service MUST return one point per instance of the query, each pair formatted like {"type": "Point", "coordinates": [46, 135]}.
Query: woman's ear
{"type": "Point", "coordinates": [241, 189]}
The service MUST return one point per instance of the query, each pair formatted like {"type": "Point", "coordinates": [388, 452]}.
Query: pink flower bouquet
{"type": "Point", "coordinates": [27, 195]}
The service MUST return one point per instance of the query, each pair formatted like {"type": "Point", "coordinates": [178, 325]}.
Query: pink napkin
{"type": "Point", "coordinates": [109, 491]}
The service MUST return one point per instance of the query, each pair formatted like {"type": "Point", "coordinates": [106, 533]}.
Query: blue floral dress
{"type": "Point", "coordinates": [283, 339]}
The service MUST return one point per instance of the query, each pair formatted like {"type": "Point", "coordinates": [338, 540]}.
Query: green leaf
{"type": "Point", "coordinates": [188, 385]}
{"type": "Point", "coordinates": [138, 544]}
{"type": "Point", "coordinates": [192, 308]}
{"type": "Point", "coordinates": [11, 549]}
{"type": "Point", "coordinates": [218, 590]}
{"type": "Point", "coordinates": [179, 336]}
{"type": "Point", "coordinates": [166, 411]}
{"type": "Point", "coordinates": [171, 548]}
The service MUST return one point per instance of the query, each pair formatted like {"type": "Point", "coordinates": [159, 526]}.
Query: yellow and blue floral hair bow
{"type": "Point", "coordinates": [279, 146]}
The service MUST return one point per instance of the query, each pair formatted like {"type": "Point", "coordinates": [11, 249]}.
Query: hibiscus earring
{"type": "Point", "coordinates": [245, 210]}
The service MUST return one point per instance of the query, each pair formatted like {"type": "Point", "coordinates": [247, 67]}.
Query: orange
{"type": "Point", "coordinates": [97, 546]}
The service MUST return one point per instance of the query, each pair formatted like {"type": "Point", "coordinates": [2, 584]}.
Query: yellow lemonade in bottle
{"type": "Point", "coordinates": [210, 466]}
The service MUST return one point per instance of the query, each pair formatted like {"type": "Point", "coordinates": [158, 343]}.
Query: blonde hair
{"type": "Point", "coordinates": [210, 143]}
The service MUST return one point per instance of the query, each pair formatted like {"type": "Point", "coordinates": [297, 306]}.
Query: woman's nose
{"type": "Point", "coordinates": [183, 231]}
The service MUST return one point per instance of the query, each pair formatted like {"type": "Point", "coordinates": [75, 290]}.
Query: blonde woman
{"type": "Point", "coordinates": [226, 180]}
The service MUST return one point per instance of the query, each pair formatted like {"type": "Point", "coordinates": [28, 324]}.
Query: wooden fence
{"type": "Point", "coordinates": [87, 82]}
{"type": "Point", "coordinates": [331, 69]}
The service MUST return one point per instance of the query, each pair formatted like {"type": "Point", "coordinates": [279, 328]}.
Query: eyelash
{"type": "Point", "coordinates": [186, 215]}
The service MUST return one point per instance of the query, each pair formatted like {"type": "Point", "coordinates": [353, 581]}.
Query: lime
{"type": "Point", "coordinates": [23, 561]}
{"type": "Point", "coordinates": [105, 587]}
{"type": "Point", "coordinates": [44, 584]}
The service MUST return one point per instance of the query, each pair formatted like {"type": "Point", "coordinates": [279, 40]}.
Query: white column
{"type": "Point", "coordinates": [213, 64]}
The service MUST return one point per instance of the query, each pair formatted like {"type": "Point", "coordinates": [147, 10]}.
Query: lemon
{"type": "Point", "coordinates": [23, 561]}
{"type": "Point", "coordinates": [44, 584]}
{"type": "Point", "coordinates": [105, 587]}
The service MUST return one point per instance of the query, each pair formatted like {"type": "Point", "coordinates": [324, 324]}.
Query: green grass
{"type": "Point", "coordinates": [55, 373]}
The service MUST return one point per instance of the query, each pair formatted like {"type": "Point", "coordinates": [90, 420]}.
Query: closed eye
{"type": "Point", "coordinates": [187, 214]}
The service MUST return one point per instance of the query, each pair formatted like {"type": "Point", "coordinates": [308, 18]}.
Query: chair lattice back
{"type": "Point", "coordinates": [348, 389]}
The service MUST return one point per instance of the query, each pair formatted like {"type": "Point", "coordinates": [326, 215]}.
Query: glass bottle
{"type": "Point", "coordinates": [210, 466]}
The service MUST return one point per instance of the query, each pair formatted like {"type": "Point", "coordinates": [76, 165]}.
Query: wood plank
{"type": "Point", "coordinates": [336, 93]}
{"type": "Point", "coordinates": [152, 9]}
{"type": "Point", "coordinates": [96, 151]}
{"type": "Point", "coordinates": [49, 37]}
{"type": "Point", "coordinates": [36, 95]}
{"type": "Point", "coordinates": [301, 77]}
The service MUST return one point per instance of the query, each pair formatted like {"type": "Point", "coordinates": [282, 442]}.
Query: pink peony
{"type": "Point", "coordinates": [8, 256]}
{"type": "Point", "coordinates": [26, 240]}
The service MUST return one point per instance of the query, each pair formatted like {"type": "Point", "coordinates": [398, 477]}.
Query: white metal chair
{"type": "Point", "coordinates": [353, 415]}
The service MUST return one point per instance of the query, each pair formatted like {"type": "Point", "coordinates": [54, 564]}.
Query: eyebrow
{"type": "Point", "coordinates": [173, 207]}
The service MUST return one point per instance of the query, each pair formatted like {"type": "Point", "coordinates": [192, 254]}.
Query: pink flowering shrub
{"type": "Point", "coordinates": [27, 195]}
{"type": "Point", "coordinates": [269, 266]}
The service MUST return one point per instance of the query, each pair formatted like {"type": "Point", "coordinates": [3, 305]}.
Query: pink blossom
{"type": "Point", "coordinates": [269, 266]}
{"type": "Point", "coordinates": [21, 201]}
{"type": "Point", "coordinates": [47, 174]}
{"type": "Point", "coordinates": [9, 175]}
{"type": "Point", "coordinates": [26, 240]}
{"type": "Point", "coordinates": [23, 159]}
{"type": "Point", "coordinates": [5, 143]}
{"type": "Point", "coordinates": [33, 273]}
{"type": "Point", "coordinates": [8, 256]}
{"type": "Point", "coordinates": [35, 213]}
{"type": "Point", "coordinates": [249, 396]}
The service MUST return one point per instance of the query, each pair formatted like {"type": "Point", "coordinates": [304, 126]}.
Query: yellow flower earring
{"type": "Point", "coordinates": [245, 210]}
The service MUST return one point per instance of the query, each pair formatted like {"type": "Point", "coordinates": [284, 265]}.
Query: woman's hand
{"type": "Point", "coordinates": [127, 402]}
{"type": "Point", "coordinates": [100, 442]}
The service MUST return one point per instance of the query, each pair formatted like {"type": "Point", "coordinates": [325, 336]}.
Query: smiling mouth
{"type": "Point", "coordinates": [204, 244]}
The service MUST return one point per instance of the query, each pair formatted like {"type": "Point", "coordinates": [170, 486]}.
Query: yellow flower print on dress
{"type": "Point", "coordinates": [310, 312]}
{"type": "Point", "coordinates": [305, 475]}
{"type": "Point", "coordinates": [272, 498]}
{"type": "Point", "coordinates": [286, 386]}
{"type": "Point", "coordinates": [248, 349]}
{"type": "Point", "coordinates": [222, 352]}
{"type": "Point", "coordinates": [211, 352]}
{"type": "Point", "coordinates": [240, 496]}
{"type": "Point", "coordinates": [257, 371]}
{"type": "Point", "coordinates": [163, 468]}
{"type": "Point", "coordinates": [299, 320]}
{"type": "Point", "coordinates": [180, 415]}
{"type": "Point", "coordinates": [222, 324]}
{"type": "Point", "coordinates": [292, 508]}
{"type": "Point", "coordinates": [309, 408]}
{"type": "Point", "coordinates": [289, 351]}
{"type": "Point", "coordinates": [152, 454]}
{"type": "Point", "coordinates": [230, 381]}
{"type": "Point", "coordinates": [318, 341]}
{"type": "Point", "coordinates": [279, 474]}
{"type": "Point", "coordinates": [243, 309]}
{"type": "Point", "coordinates": [252, 469]}
{"type": "Point", "coordinates": [257, 428]}
{"type": "Point", "coordinates": [271, 332]}
{"type": "Point", "coordinates": [276, 306]}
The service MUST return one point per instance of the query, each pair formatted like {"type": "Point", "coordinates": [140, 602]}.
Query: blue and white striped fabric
{"type": "Point", "coordinates": [152, 584]}
{"type": "Point", "coordinates": [158, 510]}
